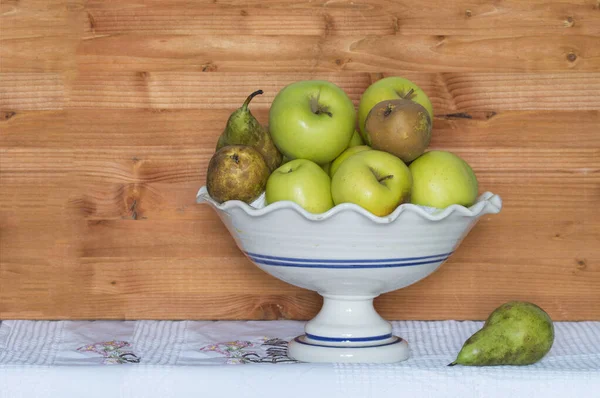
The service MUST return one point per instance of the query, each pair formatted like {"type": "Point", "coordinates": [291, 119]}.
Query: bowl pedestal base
{"type": "Point", "coordinates": [348, 329]}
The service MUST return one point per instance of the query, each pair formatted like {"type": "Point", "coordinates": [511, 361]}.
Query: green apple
{"type": "Point", "coordinates": [375, 180]}
{"type": "Point", "coordinates": [345, 155]}
{"type": "Point", "coordinates": [441, 179]}
{"type": "Point", "coordinates": [388, 88]}
{"type": "Point", "coordinates": [356, 140]}
{"type": "Point", "coordinates": [303, 182]}
{"type": "Point", "coordinates": [313, 120]}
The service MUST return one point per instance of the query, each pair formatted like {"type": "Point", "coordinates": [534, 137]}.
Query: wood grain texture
{"type": "Point", "coordinates": [110, 111]}
{"type": "Point", "coordinates": [449, 92]}
{"type": "Point", "coordinates": [343, 18]}
{"type": "Point", "coordinates": [341, 53]}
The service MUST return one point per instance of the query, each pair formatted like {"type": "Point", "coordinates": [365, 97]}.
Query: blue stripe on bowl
{"type": "Point", "coordinates": [299, 340]}
{"type": "Point", "coordinates": [348, 339]}
{"type": "Point", "coordinates": [349, 261]}
{"type": "Point", "coordinates": [336, 265]}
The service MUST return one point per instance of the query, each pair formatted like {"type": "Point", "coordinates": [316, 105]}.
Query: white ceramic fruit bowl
{"type": "Point", "coordinates": [349, 256]}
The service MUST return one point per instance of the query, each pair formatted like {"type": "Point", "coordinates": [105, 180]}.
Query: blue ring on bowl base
{"type": "Point", "coordinates": [300, 339]}
{"type": "Point", "coordinates": [334, 261]}
{"type": "Point", "coordinates": [342, 264]}
{"type": "Point", "coordinates": [348, 339]}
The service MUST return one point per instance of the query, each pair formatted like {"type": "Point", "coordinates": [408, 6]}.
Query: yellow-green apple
{"type": "Point", "coordinates": [375, 180]}
{"type": "Point", "coordinates": [441, 179]}
{"type": "Point", "coordinates": [356, 140]}
{"type": "Point", "coordinates": [345, 155]}
{"type": "Point", "coordinates": [392, 87]}
{"type": "Point", "coordinates": [312, 119]}
{"type": "Point", "coordinates": [303, 182]}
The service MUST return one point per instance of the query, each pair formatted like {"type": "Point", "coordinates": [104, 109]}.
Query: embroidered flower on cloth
{"type": "Point", "coordinates": [266, 349]}
{"type": "Point", "coordinates": [232, 350]}
{"type": "Point", "coordinates": [114, 352]}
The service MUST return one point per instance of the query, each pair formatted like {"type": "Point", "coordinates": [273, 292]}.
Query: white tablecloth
{"type": "Point", "coordinates": [181, 359]}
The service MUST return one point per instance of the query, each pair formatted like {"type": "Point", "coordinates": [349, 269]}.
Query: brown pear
{"type": "Point", "coordinates": [401, 127]}
{"type": "Point", "coordinates": [236, 172]}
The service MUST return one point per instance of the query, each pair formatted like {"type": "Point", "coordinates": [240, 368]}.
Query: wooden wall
{"type": "Point", "coordinates": [110, 111]}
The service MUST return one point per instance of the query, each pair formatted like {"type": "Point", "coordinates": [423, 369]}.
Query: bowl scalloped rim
{"type": "Point", "coordinates": [486, 203]}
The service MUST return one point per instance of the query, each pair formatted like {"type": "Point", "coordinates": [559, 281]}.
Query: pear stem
{"type": "Point", "coordinates": [388, 110]}
{"type": "Point", "coordinates": [247, 102]}
{"type": "Point", "coordinates": [452, 364]}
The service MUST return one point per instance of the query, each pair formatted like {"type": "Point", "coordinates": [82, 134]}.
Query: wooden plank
{"type": "Point", "coordinates": [40, 36]}
{"type": "Point", "coordinates": [173, 165]}
{"type": "Point", "coordinates": [373, 17]}
{"type": "Point", "coordinates": [340, 53]}
{"type": "Point", "coordinates": [28, 234]}
{"type": "Point", "coordinates": [449, 92]}
{"type": "Point", "coordinates": [44, 54]}
{"type": "Point", "coordinates": [200, 128]}
{"type": "Point", "coordinates": [99, 128]}
{"type": "Point", "coordinates": [143, 283]}
{"type": "Point", "coordinates": [31, 91]}
{"type": "Point", "coordinates": [193, 90]}
{"type": "Point", "coordinates": [34, 165]}
{"type": "Point", "coordinates": [38, 18]}
{"type": "Point", "coordinates": [73, 294]}
{"type": "Point", "coordinates": [517, 129]}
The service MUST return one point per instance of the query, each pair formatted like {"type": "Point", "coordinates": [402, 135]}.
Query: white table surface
{"type": "Point", "coordinates": [247, 359]}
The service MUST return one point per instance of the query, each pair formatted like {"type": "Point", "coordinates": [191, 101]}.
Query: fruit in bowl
{"type": "Point", "coordinates": [356, 140]}
{"type": "Point", "coordinates": [312, 119]}
{"type": "Point", "coordinates": [337, 162]}
{"type": "Point", "coordinates": [375, 180]}
{"type": "Point", "coordinates": [401, 127]}
{"type": "Point", "coordinates": [236, 172]}
{"type": "Point", "coordinates": [389, 88]}
{"type": "Point", "coordinates": [442, 179]}
{"type": "Point", "coordinates": [303, 182]}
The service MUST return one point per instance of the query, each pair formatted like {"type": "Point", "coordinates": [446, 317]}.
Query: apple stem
{"type": "Point", "coordinates": [317, 108]}
{"type": "Point", "coordinates": [247, 102]}
{"type": "Point", "coordinates": [325, 111]}
{"type": "Point", "coordinates": [409, 94]}
{"type": "Point", "coordinates": [384, 177]}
